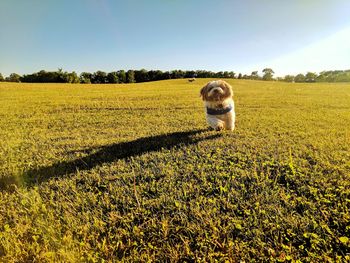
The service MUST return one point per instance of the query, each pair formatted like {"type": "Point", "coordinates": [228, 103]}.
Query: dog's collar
{"type": "Point", "coordinates": [211, 111]}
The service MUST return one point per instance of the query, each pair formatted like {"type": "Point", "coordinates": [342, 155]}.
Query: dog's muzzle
{"type": "Point", "coordinates": [217, 90]}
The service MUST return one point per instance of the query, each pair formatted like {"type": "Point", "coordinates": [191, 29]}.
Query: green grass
{"type": "Point", "coordinates": [97, 173]}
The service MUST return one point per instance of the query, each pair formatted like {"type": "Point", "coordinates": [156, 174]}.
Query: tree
{"type": "Point", "coordinates": [14, 77]}
{"type": "Point", "coordinates": [239, 76]}
{"type": "Point", "coordinates": [46, 77]}
{"type": "Point", "coordinates": [112, 77]}
{"type": "Point", "coordinates": [155, 75]}
{"type": "Point", "coordinates": [58, 76]}
{"type": "Point", "coordinates": [254, 75]}
{"type": "Point", "coordinates": [71, 77]}
{"type": "Point", "coordinates": [131, 76]}
{"type": "Point", "coordinates": [231, 74]}
{"type": "Point", "coordinates": [168, 75]}
{"type": "Point", "coordinates": [122, 76]}
{"type": "Point", "coordinates": [99, 77]}
{"type": "Point", "coordinates": [268, 74]}
{"type": "Point", "coordinates": [178, 74]}
{"type": "Point", "coordinates": [190, 74]}
{"type": "Point", "coordinates": [141, 75]}
{"type": "Point", "coordinates": [85, 77]}
{"type": "Point", "coordinates": [310, 77]}
{"type": "Point", "coordinates": [343, 76]}
{"type": "Point", "coordinates": [289, 78]}
{"type": "Point", "coordinates": [226, 74]}
{"type": "Point", "coordinates": [1, 77]}
{"type": "Point", "coordinates": [299, 78]}
{"type": "Point", "coordinates": [219, 74]}
{"type": "Point", "coordinates": [327, 76]}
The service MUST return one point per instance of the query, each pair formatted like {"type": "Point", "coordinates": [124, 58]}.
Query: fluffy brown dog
{"type": "Point", "coordinates": [219, 105]}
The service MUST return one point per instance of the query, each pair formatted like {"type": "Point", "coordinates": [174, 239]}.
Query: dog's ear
{"type": "Point", "coordinates": [227, 87]}
{"type": "Point", "coordinates": [203, 92]}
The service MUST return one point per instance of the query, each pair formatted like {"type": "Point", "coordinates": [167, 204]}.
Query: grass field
{"type": "Point", "coordinates": [94, 173]}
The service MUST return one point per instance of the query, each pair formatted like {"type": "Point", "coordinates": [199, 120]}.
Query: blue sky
{"type": "Point", "coordinates": [241, 36]}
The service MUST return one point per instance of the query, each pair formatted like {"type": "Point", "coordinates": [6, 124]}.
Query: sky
{"type": "Point", "coordinates": [291, 37]}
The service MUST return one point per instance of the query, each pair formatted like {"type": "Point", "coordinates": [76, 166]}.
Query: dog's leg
{"type": "Point", "coordinates": [215, 123]}
{"type": "Point", "coordinates": [230, 126]}
{"type": "Point", "coordinates": [219, 127]}
{"type": "Point", "coordinates": [230, 123]}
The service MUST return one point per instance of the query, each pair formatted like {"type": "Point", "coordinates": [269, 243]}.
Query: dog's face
{"type": "Point", "coordinates": [217, 90]}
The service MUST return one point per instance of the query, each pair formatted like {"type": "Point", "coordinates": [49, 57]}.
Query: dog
{"type": "Point", "coordinates": [219, 105]}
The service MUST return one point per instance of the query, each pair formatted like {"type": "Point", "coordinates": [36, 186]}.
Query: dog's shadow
{"type": "Point", "coordinates": [114, 152]}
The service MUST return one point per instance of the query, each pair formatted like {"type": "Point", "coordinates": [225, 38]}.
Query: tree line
{"type": "Point", "coordinates": [120, 76]}
{"type": "Point", "coordinates": [143, 75]}
{"type": "Point", "coordinates": [324, 76]}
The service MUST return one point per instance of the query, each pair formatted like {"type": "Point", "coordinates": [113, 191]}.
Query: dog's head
{"type": "Point", "coordinates": [217, 90]}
